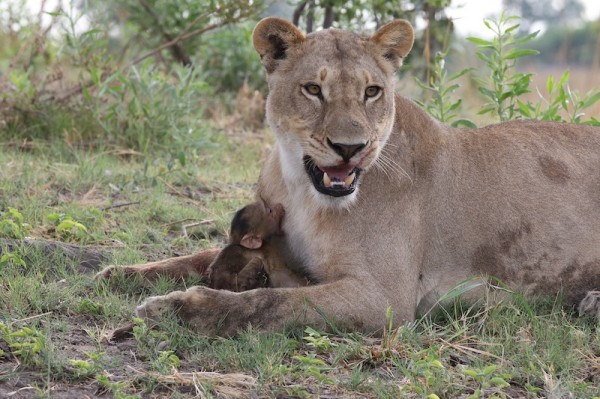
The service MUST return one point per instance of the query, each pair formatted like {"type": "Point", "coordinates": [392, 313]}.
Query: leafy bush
{"type": "Point", "coordinates": [504, 87]}
{"type": "Point", "coordinates": [113, 83]}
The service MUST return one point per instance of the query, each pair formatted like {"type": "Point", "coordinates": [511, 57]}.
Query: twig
{"type": "Point", "coordinates": [467, 349]}
{"type": "Point", "coordinates": [176, 222]}
{"type": "Point", "coordinates": [120, 205]}
{"type": "Point", "coordinates": [184, 36]}
{"type": "Point", "coordinates": [176, 50]}
{"type": "Point", "coordinates": [37, 316]}
{"type": "Point", "coordinates": [186, 226]}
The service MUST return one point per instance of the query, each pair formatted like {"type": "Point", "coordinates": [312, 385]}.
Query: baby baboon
{"type": "Point", "coordinates": [251, 260]}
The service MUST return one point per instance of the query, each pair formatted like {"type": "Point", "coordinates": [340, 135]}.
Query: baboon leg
{"type": "Point", "coordinates": [180, 267]}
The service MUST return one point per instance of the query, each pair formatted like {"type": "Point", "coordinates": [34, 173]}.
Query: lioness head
{"type": "Point", "coordinates": [331, 101]}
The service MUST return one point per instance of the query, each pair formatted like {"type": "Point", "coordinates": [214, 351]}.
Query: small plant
{"type": "Point", "coordinates": [26, 343]}
{"type": "Point", "coordinates": [12, 224]}
{"type": "Point", "coordinates": [441, 87]}
{"type": "Point", "coordinates": [561, 99]}
{"type": "Point", "coordinates": [11, 259]}
{"type": "Point", "coordinates": [116, 388]}
{"type": "Point", "coordinates": [427, 375]}
{"type": "Point", "coordinates": [166, 361]}
{"type": "Point", "coordinates": [503, 87]}
{"type": "Point", "coordinates": [67, 227]}
{"type": "Point", "coordinates": [312, 366]}
{"type": "Point", "coordinates": [317, 340]}
{"type": "Point", "coordinates": [488, 381]}
{"type": "Point", "coordinates": [87, 368]}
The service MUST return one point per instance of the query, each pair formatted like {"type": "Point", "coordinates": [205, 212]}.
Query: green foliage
{"type": "Point", "coordinates": [500, 55]}
{"type": "Point", "coordinates": [427, 375]}
{"type": "Point", "coordinates": [27, 343]}
{"type": "Point", "coordinates": [112, 84]}
{"type": "Point", "coordinates": [227, 59]}
{"type": "Point", "coordinates": [116, 388]}
{"type": "Point", "coordinates": [145, 108]}
{"type": "Point", "coordinates": [441, 87]}
{"type": "Point", "coordinates": [11, 259]}
{"type": "Point", "coordinates": [317, 340]}
{"type": "Point", "coordinates": [562, 104]}
{"type": "Point", "coordinates": [504, 88]}
{"type": "Point", "coordinates": [488, 381]}
{"type": "Point", "coordinates": [12, 224]}
{"type": "Point", "coordinates": [68, 228]}
{"type": "Point", "coordinates": [82, 369]}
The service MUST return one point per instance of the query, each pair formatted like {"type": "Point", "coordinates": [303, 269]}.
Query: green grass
{"type": "Point", "coordinates": [53, 319]}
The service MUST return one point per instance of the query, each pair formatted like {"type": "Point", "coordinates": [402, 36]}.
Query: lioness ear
{"type": "Point", "coordinates": [251, 241]}
{"type": "Point", "coordinates": [396, 39]}
{"type": "Point", "coordinates": [272, 37]}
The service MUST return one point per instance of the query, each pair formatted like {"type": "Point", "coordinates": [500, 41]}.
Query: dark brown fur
{"type": "Point", "coordinates": [241, 267]}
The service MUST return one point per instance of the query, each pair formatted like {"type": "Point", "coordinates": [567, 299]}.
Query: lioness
{"type": "Point", "coordinates": [386, 207]}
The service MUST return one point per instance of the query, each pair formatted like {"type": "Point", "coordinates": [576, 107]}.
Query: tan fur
{"type": "Point", "coordinates": [434, 205]}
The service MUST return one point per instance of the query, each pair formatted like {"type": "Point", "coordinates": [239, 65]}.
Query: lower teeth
{"type": "Point", "coordinates": [327, 182]}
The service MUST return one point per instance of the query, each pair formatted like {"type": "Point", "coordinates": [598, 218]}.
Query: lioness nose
{"type": "Point", "coordinates": [346, 151]}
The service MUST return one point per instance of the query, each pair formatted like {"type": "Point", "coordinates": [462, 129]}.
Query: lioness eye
{"type": "Point", "coordinates": [313, 89]}
{"type": "Point", "coordinates": [372, 91]}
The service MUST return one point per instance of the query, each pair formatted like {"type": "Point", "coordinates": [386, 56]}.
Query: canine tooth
{"type": "Point", "coordinates": [326, 180]}
{"type": "Point", "coordinates": [349, 179]}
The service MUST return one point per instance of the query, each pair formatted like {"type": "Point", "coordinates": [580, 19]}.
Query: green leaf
{"type": "Point", "coordinates": [518, 53]}
{"type": "Point", "coordinates": [564, 78]}
{"type": "Point", "coordinates": [479, 41]}
{"type": "Point", "coordinates": [499, 382]}
{"type": "Point", "coordinates": [591, 101]}
{"type": "Point", "coordinates": [489, 370]}
{"type": "Point", "coordinates": [460, 73]}
{"type": "Point", "coordinates": [471, 373]}
{"type": "Point", "coordinates": [524, 108]}
{"type": "Point", "coordinates": [526, 38]}
{"type": "Point", "coordinates": [486, 110]}
{"type": "Point", "coordinates": [464, 123]}
{"type": "Point", "coordinates": [512, 28]}
{"type": "Point", "coordinates": [550, 84]}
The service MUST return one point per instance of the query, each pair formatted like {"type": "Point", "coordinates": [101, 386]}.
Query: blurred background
{"type": "Point", "coordinates": [144, 74]}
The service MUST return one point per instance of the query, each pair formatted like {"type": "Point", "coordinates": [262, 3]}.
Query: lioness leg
{"type": "Point", "coordinates": [180, 267]}
{"type": "Point", "coordinates": [345, 303]}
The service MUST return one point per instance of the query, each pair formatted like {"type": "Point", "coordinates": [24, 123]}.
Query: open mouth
{"type": "Point", "coordinates": [336, 181]}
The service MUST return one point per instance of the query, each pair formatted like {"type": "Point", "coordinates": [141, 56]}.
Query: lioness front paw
{"type": "Point", "coordinates": [590, 305]}
{"type": "Point", "coordinates": [154, 307]}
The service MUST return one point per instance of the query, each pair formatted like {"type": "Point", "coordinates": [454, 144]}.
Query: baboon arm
{"type": "Point", "coordinates": [251, 269]}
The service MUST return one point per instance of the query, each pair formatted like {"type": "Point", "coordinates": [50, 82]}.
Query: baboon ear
{"type": "Point", "coordinates": [251, 241]}
{"type": "Point", "coordinates": [272, 37]}
{"type": "Point", "coordinates": [395, 40]}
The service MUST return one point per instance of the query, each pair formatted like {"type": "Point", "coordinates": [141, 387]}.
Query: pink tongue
{"type": "Point", "coordinates": [338, 172]}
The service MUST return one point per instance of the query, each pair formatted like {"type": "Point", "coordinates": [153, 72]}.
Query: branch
{"type": "Point", "coordinates": [176, 49]}
{"type": "Point", "coordinates": [298, 12]}
{"type": "Point", "coordinates": [329, 17]}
